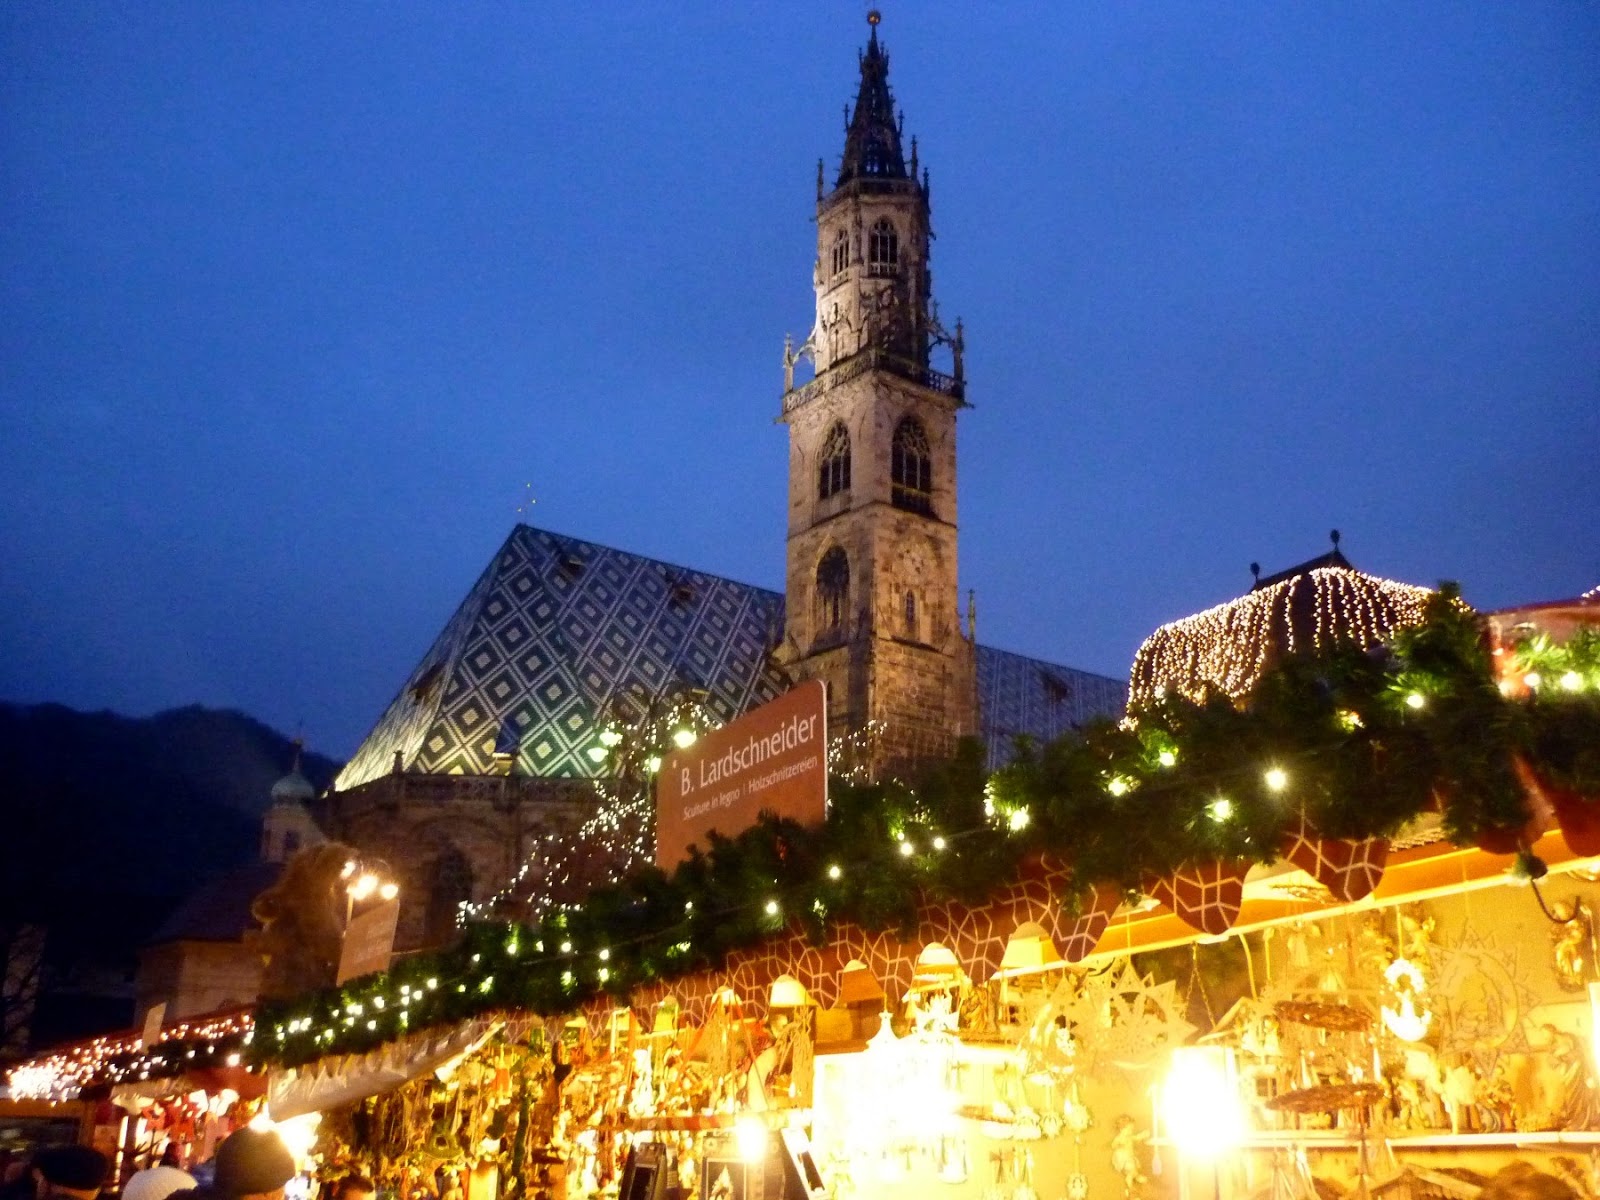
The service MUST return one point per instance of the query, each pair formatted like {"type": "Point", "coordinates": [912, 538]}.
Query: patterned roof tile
{"type": "Point", "coordinates": [559, 636]}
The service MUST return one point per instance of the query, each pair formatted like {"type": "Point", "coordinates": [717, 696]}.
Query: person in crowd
{"type": "Point", "coordinates": [353, 1187]}
{"type": "Point", "coordinates": [251, 1164]}
{"type": "Point", "coordinates": [17, 1182]}
{"type": "Point", "coordinates": [70, 1172]}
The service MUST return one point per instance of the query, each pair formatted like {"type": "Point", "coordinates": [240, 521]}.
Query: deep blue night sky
{"type": "Point", "coordinates": [295, 299]}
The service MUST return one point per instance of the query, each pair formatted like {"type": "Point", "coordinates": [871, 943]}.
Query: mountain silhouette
{"type": "Point", "coordinates": [143, 806]}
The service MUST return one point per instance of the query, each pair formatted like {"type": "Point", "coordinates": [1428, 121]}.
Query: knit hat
{"type": "Point", "coordinates": [156, 1183]}
{"type": "Point", "coordinates": [78, 1168]}
{"type": "Point", "coordinates": [252, 1161]}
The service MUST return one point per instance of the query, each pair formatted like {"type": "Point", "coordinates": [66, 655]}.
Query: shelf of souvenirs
{"type": "Point", "coordinates": [1349, 1139]}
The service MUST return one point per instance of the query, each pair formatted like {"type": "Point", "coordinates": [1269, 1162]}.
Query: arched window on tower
{"type": "Point", "coordinates": [833, 592]}
{"type": "Point", "coordinates": [833, 471]}
{"type": "Point", "coordinates": [911, 616]}
{"type": "Point", "coordinates": [841, 252]}
{"type": "Point", "coordinates": [883, 248]}
{"type": "Point", "coordinates": [911, 468]}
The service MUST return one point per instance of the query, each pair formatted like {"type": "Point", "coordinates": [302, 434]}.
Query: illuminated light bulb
{"type": "Point", "coordinates": [688, 906]}
{"type": "Point", "coordinates": [907, 849]}
{"type": "Point", "coordinates": [1019, 819]}
{"type": "Point", "coordinates": [1572, 682]}
{"type": "Point", "coordinates": [1277, 778]}
{"type": "Point", "coordinates": [1221, 808]}
{"type": "Point", "coordinates": [605, 974]}
{"type": "Point", "coordinates": [605, 955]}
{"type": "Point", "coordinates": [653, 763]}
{"type": "Point", "coordinates": [772, 908]}
{"type": "Point", "coordinates": [432, 984]}
{"type": "Point", "coordinates": [938, 843]}
{"type": "Point", "coordinates": [566, 947]}
{"type": "Point", "coordinates": [1118, 786]}
{"type": "Point", "coordinates": [566, 979]}
{"type": "Point", "coordinates": [610, 737]}
{"type": "Point", "coordinates": [597, 753]}
{"type": "Point", "coordinates": [348, 869]}
{"type": "Point", "coordinates": [1505, 686]}
{"type": "Point", "coordinates": [1533, 679]}
{"type": "Point", "coordinates": [1200, 1102]}
{"type": "Point", "coordinates": [389, 891]}
{"type": "Point", "coordinates": [750, 1135]}
{"type": "Point", "coordinates": [835, 872]}
{"type": "Point", "coordinates": [364, 886]}
{"type": "Point", "coordinates": [683, 738]}
{"type": "Point", "coordinates": [1415, 700]}
{"type": "Point", "coordinates": [1167, 758]}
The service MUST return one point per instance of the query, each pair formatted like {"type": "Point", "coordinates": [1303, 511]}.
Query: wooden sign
{"type": "Point", "coordinates": [773, 759]}
{"type": "Point", "coordinates": [153, 1018]}
{"type": "Point", "coordinates": [369, 940]}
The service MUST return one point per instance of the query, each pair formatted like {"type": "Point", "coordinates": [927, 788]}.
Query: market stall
{"type": "Point", "coordinates": [1325, 930]}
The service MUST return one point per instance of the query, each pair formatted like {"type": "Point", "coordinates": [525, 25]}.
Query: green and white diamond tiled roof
{"type": "Point", "coordinates": [560, 638]}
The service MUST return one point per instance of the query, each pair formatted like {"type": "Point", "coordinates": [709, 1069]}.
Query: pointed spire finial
{"type": "Point", "coordinates": [872, 135]}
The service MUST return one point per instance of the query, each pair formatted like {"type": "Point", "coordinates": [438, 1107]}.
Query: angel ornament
{"type": "Point", "coordinates": [1125, 1141]}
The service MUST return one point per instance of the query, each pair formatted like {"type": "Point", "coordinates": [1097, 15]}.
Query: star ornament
{"type": "Point", "coordinates": [1121, 1018]}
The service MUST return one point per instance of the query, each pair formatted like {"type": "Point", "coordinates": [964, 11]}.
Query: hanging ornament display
{"type": "Point", "coordinates": [1120, 1018]}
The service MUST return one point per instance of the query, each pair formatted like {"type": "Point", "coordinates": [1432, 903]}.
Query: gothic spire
{"type": "Point", "coordinates": [872, 141]}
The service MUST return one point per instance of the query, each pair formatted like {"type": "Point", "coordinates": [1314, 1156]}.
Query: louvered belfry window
{"type": "Point", "coordinates": [833, 471]}
{"type": "Point", "coordinates": [911, 468]}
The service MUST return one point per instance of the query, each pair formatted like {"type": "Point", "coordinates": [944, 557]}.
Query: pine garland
{"type": "Point", "coordinates": [1361, 741]}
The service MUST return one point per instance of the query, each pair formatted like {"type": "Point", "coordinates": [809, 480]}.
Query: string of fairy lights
{"type": "Point", "coordinates": [1228, 647]}
{"type": "Point", "coordinates": [618, 837]}
{"type": "Point", "coordinates": [216, 1041]}
{"type": "Point", "coordinates": [888, 846]}
{"type": "Point", "coordinates": [885, 846]}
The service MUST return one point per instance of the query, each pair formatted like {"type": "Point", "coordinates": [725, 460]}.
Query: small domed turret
{"type": "Point", "coordinates": [293, 788]}
{"type": "Point", "coordinates": [288, 824]}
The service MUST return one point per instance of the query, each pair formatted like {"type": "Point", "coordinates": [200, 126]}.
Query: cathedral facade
{"type": "Point", "coordinates": [496, 740]}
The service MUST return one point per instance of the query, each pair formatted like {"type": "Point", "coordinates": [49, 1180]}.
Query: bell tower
{"type": "Point", "coordinates": [872, 605]}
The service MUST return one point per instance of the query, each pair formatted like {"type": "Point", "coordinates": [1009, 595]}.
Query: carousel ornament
{"type": "Point", "coordinates": [1406, 1021]}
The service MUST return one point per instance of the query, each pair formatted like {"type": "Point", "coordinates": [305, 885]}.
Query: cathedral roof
{"type": "Point", "coordinates": [872, 139]}
{"type": "Point", "coordinates": [559, 638]}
